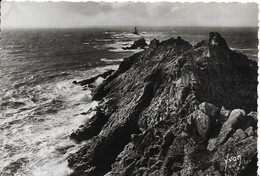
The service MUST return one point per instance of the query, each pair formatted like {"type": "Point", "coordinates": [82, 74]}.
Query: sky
{"type": "Point", "coordinates": [88, 14]}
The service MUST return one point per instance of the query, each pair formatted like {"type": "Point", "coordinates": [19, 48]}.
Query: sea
{"type": "Point", "coordinates": [39, 105]}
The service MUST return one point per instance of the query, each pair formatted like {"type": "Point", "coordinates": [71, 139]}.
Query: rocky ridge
{"type": "Point", "coordinates": [174, 109]}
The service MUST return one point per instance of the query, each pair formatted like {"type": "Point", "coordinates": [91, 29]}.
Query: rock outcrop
{"type": "Point", "coordinates": [140, 43]}
{"type": "Point", "coordinates": [174, 109]}
{"type": "Point", "coordinates": [89, 82]}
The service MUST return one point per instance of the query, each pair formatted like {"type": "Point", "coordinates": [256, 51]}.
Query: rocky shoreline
{"type": "Point", "coordinates": [173, 109]}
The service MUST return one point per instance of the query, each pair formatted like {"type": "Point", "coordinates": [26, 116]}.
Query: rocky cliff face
{"type": "Point", "coordinates": [174, 109]}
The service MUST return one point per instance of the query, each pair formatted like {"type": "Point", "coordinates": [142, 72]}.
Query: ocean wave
{"type": "Point", "coordinates": [40, 133]}
{"type": "Point", "coordinates": [98, 70]}
{"type": "Point", "coordinates": [37, 120]}
{"type": "Point", "coordinates": [118, 47]}
{"type": "Point", "coordinates": [103, 40]}
{"type": "Point", "coordinates": [111, 60]}
{"type": "Point", "coordinates": [14, 166]}
{"type": "Point", "coordinates": [38, 79]}
{"type": "Point", "coordinates": [109, 32]}
{"type": "Point", "coordinates": [125, 50]}
{"type": "Point", "coordinates": [243, 49]}
{"type": "Point", "coordinates": [98, 81]}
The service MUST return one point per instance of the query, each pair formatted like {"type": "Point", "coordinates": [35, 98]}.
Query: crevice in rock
{"type": "Point", "coordinates": [122, 135]}
{"type": "Point", "coordinates": [107, 151]}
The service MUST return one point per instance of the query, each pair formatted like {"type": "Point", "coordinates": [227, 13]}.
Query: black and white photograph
{"type": "Point", "coordinates": [128, 88]}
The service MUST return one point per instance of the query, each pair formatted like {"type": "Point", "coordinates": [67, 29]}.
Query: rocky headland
{"type": "Point", "coordinates": [173, 110]}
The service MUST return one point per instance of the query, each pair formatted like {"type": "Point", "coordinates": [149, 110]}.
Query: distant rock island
{"type": "Point", "coordinates": [173, 110]}
{"type": "Point", "coordinates": [140, 43]}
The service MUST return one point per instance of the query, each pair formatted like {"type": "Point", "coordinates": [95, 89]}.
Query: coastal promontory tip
{"type": "Point", "coordinates": [173, 109]}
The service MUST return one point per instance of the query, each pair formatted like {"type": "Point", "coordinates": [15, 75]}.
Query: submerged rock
{"type": "Point", "coordinates": [163, 116]}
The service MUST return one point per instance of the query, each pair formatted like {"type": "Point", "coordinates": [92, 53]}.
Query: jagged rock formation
{"type": "Point", "coordinates": [94, 78]}
{"type": "Point", "coordinates": [174, 109]}
{"type": "Point", "coordinates": [140, 43]}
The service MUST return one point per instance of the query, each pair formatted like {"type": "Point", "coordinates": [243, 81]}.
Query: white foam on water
{"type": "Point", "coordinates": [103, 40]}
{"type": "Point", "coordinates": [98, 81]}
{"type": "Point", "coordinates": [118, 47]}
{"type": "Point", "coordinates": [240, 49]}
{"type": "Point", "coordinates": [59, 168]}
{"type": "Point", "coordinates": [126, 39]}
{"type": "Point", "coordinates": [38, 140]}
{"type": "Point", "coordinates": [82, 97]}
{"type": "Point", "coordinates": [111, 60]}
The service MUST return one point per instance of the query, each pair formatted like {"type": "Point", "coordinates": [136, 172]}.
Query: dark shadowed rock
{"type": "Point", "coordinates": [209, 109]}
{"type": "Point", "coordinates": [74, 82]}
{"type": "Point", "coordinates": [154, 43]}
{"type": "Point", "coordinates": [163, 117]}
{"type": "Point", "coordinates": [94, 78]}
{"type": "Point", "coordinates": [223, 116]}
{"type": "Point", "coordinates": [252, 119]}
{"type": "Point", "coordinates": [92, 128]}
{"type": "Point", "coordinates": [253, 115]}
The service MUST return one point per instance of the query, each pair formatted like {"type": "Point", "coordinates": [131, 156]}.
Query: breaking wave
{"type": "Point", "coordinates": [36, 123]}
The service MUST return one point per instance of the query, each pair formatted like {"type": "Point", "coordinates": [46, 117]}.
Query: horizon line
{"type": "Point", "coordinates": [113, 26]}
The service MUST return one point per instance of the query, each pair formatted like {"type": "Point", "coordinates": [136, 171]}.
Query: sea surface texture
{"type": "Point", "coordinates": [39, 105]}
